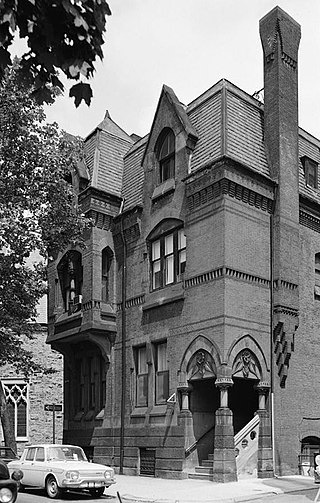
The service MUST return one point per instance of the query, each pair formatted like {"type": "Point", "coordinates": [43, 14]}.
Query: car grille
{"type": "Point", "coordinates": [91, 475]}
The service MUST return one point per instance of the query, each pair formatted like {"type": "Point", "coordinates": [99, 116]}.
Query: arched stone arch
{"type": "Point", "coordinates": [196, 356]}
{"type": "Point", "coordinates": [246, 356]}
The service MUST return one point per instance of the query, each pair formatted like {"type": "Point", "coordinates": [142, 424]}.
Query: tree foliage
{"type": "Point", "coordinates": [38, 215]}
{"type": "Point", "coordinates": [64, 35]}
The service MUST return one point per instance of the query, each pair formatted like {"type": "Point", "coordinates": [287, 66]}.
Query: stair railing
{"type": "Point", "coordinates": [192, 447]}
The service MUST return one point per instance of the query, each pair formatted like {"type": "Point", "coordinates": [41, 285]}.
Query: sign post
{"type": "Point", "coordinates": [53, 407]}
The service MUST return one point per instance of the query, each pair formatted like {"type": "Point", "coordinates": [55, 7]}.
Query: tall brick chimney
{"type": "Point", "coordinates": [280, 37]}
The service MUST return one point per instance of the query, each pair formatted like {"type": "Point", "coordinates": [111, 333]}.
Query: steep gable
{"type": "Point", "coordinates": [105, 148]}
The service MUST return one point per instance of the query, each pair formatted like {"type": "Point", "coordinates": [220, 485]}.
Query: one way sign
{"type": "Point", "coordinates": [53, 407]}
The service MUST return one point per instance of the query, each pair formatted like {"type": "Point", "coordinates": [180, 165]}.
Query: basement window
{"type": "Point", "coordinates": [310, 169]}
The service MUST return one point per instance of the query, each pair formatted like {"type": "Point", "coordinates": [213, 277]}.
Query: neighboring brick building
{"type": "Point", "coordinates": [27, 397]}
{"type": "Point", "coordinates": [179, 322]}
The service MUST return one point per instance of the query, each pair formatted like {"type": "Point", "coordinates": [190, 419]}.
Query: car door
{"type": "Point", "coordinates": [27, 466]}
{"type": "Point", "coordinates": [38, 468]}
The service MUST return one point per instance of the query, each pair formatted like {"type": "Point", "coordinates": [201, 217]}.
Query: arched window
{"type": "Point", "coordinates": [166, 154]}
{"type": "Point", "coordinates": [167, 254]}
{"type": "Point", "coordinates": [70, 277]}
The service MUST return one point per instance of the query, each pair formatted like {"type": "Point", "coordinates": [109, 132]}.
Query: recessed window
{"type": "Point", "coordinates": [162, 373]}
{"type": "Point", "coordinates": [141, 376]}
{"type": "Point", "coordinates": [168, 258]}
{"type": "Point", "coordinates": [70, 276]}
{"type": "Point", "coordinates": [310, 168]}
{"type": "Point", "coordinates": [166, 155]}
{"type": "Point", "coordinates": [106, 274]}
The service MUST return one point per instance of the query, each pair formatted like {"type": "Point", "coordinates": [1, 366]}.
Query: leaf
{"type": "Point", "coordinates": [81, 92]}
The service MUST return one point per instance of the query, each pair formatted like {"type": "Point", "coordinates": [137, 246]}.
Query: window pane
{"type": "Point", "coordinates": [142, 361]}
{"type": "Point", "coordinates": [162, 356]}
{"type": "Point", "coordinates": [22, 419]}
{"type": "Point", "coordinates": [182, 261]}
{"type": "Point", "coordinates": [142, 390]}
{"type": "Point", "coordinates": [181, 239]}
{"type": "Point", "coordinates": [162, 387]}
{"type": "Point", "coordinates": [40, 454]}
{"type": "Point", "coordinates": [168, 246]}
{"type": "Point", "coordinates": [156, 275]}
{"type": "Point", "coordinates": [156, 250]}
{"type": "Point", "coordinates": [169, 270]}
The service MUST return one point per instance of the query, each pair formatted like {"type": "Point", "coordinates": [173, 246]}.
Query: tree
{"type": "Point", "coordinates": [37, 214]}
{"type": "Point", "coordinates": [64, 35]}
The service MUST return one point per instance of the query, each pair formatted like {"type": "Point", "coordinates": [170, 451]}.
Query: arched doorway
{"type": "Point", "coordinates": [204, 401]}
{"type": "Point", "coordinates": [243, 401]}
{"type": "Point", "coordinates": [310, 447]}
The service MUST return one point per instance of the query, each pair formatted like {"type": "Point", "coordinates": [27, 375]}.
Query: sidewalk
{"type": "Point", "coordinates": [155, 490]}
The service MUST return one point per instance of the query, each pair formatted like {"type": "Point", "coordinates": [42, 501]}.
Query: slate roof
{"type": "Point", "coordinates": [228, 122]}
{"type": "Point", "coordinates": [105, 148]}
{"type": "Point", "coordinates": [133, 174]}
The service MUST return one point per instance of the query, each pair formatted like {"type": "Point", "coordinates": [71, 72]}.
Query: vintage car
{"type": "Point", "coordinates": [9, 486]}
{"type": "Point", "coordinates": [58, 468]}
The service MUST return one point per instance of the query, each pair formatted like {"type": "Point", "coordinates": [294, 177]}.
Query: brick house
{"type": "Point", "coordinates": [189, 323]}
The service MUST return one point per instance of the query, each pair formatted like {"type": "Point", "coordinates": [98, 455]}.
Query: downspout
{"type": "Point", "coordinates": [123, 341]}
{"type": "Point", "coordinates": [271, 328]}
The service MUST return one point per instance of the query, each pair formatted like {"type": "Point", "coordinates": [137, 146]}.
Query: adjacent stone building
{"type": "Point", "coordinates": [189, 324]}
{"type": "Point", "coordinates": [27, 397]}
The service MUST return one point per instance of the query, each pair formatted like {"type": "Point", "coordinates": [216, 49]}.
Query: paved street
{"type": "Point", "coordinates": [294, 489]}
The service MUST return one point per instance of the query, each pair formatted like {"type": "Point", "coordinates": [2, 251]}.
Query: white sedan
{"type": "Point", "coordinates": [58, 468]}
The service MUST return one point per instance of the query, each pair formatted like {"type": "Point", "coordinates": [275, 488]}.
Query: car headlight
{"type": "Point", "coordinates": [72, 475]}
{"type": "Point", "coordinates": [108, 474]}
{"type": "Point", "coordinates": [6, 495]}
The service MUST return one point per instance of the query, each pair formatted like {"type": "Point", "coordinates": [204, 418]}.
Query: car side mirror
{"type": "Point", "coordinates": [17, 475]}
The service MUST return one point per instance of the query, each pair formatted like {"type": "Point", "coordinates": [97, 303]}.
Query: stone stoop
{"type": "Point", "coordinates": [204, 471]}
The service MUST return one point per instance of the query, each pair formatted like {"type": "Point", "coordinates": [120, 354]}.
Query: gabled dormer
{"type": "Point", "coordinates": [168, 151]}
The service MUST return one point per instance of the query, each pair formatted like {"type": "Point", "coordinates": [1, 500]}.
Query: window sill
{"type": "Point", "coordinates": [166, 295]}
{"type": "Point", "coordinates": [164, 189]}
{"type": "Point", "coordinates": [159, 410]}
{"type": "Point", "coordinates": [139, 412]}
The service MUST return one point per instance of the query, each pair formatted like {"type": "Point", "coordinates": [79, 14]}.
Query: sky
{"type": "Point", "coordinates": [189, 46]}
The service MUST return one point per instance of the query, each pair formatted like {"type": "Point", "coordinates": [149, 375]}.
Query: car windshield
{"type": "Point", "coordinates": [66, 453]}
{"type": "Point", "coordinates": [7, 452]}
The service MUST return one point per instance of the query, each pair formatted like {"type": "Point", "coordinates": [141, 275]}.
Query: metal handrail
{"type": "Point", "coordinates": [194, 445]}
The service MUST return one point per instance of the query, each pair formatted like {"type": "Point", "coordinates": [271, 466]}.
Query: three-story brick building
{"type": "Point", "coordinates": [189, 323]}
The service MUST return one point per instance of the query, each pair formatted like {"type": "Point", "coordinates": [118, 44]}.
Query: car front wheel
{"type": "Point", "coordinates": [96, 493]}
{"type": "Point", "coordinates": [52, 489]}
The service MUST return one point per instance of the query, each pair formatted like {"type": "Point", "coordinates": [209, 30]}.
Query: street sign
{"type": "Point", "coordinates": [53, 407]}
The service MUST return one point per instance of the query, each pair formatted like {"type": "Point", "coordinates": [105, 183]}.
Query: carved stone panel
{"type": "Point", "coordinates": [246, 366]}
{"type": "Point", "coordinates": [201, 366]}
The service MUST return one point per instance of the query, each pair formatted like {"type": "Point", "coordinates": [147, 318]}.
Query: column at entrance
{"type": "Point", "coordinates": [224, 467]}
{"type": "Point", "coordinates": [265, 462]}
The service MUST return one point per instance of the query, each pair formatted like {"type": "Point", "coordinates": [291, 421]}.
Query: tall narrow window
{"type": "Point", "coordinates": [92, 383]}
{"type": "Point", "coordinates": [106, 280]}
{"type": "Point", "coordinates": [70, 276]}
{"type": "Point", "coordinates": [162, 373]}
{"type": "Point", "coordinates": [17, 402]}
{"type": "Point", "coordinates": [317, 277]}
{"type": "Point", "coordinates": [168, 259]}
{"type": "Point", "coordinates": [166, 155]}
{"type": "Point", "coordinates": [141, 377]}
{"type": "Point", "coordinates": [103, 387]}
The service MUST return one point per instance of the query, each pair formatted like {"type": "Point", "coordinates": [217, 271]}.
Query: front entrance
{"type": "Point", "coordinates": [243, 401]}
{"type": "Point", "coordinates": [204, 401]}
